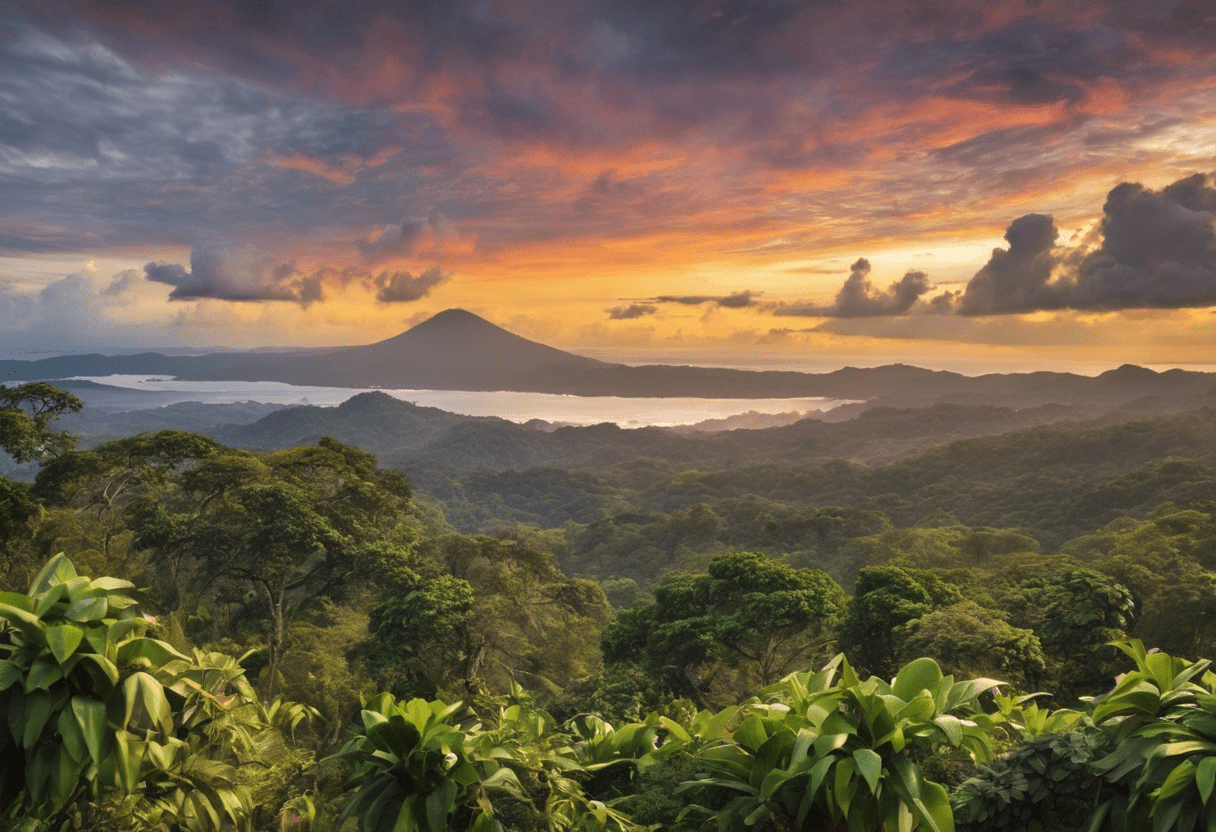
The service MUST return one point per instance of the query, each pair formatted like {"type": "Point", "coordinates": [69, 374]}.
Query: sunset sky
{"type": "Point", "coordinates": [946, 183]}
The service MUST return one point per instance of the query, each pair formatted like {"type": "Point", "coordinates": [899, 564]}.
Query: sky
{"type": "Point", "coordinates": [815, 182]}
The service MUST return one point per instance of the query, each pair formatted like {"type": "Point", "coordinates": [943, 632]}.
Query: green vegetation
{"type": "Point", "coordinates": [298, 640]}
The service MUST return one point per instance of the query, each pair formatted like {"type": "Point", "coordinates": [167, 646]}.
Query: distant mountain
{"type": "Point", "coordinates": [457, 350]}
{"type": "Point", "coordinates": [454, 350]}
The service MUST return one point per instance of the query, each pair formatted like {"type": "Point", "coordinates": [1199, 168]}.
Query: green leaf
{"type": "Point", "coordinates": [58, 570]}
{"type": "Point", "coordinates": [145, 703]}
{"type": "Point", "coordinates": [16, 599]}
{"type": "Point", "coordinates": [157, 652]}
{"type": "Point", "coordinates": [91, 717]}
{"type": "Point", "coordinates": [919, 674]}
{"type": "Point", "coordinates": [951, 726]}
{"type": "Point", "coordinates": [438, 804]}
{"type": "Point", "coordinates": [127, 760]}
{"type": "Point", "coordinates": [1141, 696]}
{"type": "Point", "coordinates": [43, 673]}
{"type": "Point", "coordinates": [70, 736]}
{"type": "Point", "coordinates": [869, 764]}
{"type": "Point", "coordinates": [37, 708]}
{"type": "Point", "coordinates": [87, 609]}
{"type": "Point", "coordinates": [63, 639]}
{"type": "Point", "coordinates": [10, 674]}
{"type": "Point", "coordinates": [29, 624]}
{"type": "Point", "coordinates": [675, 728]}
{"type": "Point", "coordinates": [751, 732]}
{"type": "Point", "coordinates": [1205, 778]}
{"type": "Point", "coordinates": [110, 584]}
{"type": "Point", "coordinates": [1177, 781]}
{"type": "Point", "coordinates": [844, 787]}
{"type": "Point", "coordinates": [937, 807]}
{"type": "Point", "coordinates": [100, 670]}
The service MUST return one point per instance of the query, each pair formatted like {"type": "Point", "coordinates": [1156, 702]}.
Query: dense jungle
{"type": "Point", "coordinates": [953, 617]}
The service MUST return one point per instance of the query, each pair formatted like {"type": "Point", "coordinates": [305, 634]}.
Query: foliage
{"type": "Point", "coordinates": [106, 721]}
{"type": "Point", "coordinates": [746, 613]}
{"type": "Point", "coordinates": [481, 613]}
{"type": "Point", "coordinates": [826, 750]}
{"type": "Point", "coordinates": [885, 598]}
{"type": "Point", "coordinates": [1161, 718]}
{"type": "Point", "coordinates": [416, 767]}
{"type": "Point", "coordinates": [26, 414]}
{"type": "Point", "coordinates": [970, 640]}
{"type": "Point", "coordinates": [268, 537]}
{"type": "Point", "coordinates": [1075, 614]}
{"type": "Point", "coordinates": [1044, 783]}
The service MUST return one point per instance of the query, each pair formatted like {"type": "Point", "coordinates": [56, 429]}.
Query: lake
{"type": "Point", "coordinates": [517, 407]}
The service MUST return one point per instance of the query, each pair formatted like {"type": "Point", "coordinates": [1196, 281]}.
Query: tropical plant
{"type": "Point", "coordinates": [1046, 782]}
{"type": "Point", "coordinates": [430, 766]}
{"type": "Point", "coordinates": [411, 769]}
{"type": "Point", "coordinates": [1161, 718]}
{"type": "Point", "coordinates": [106, 721]}
{"type": "Point", "coordinates": [826, 750]}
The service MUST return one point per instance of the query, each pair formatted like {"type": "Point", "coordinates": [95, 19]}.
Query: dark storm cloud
{"type": "Point", "coordinates": [244, 37]}
{"type": "Point", "coordinates": [1188, 23]}
{"type": "Point", "coordinates": [630, 312]}
{"type": "Point", "coordinates": [735, 300]}
{"type": "Point", "coordinates": [858, 298]}
{"type": "Point", "coordinates": [1157, 250]}
{"type": "Point", "coordinates": [1017, 279]}
{"type": "Point", "coordinates": [403, 287]}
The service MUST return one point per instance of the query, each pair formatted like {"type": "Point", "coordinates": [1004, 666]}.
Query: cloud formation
{"type": "Point", "coordinates": [1157, 251]}
{"type": "Point", "coordinates": [1017, 279]}
{"type": "Point", "coordinates": [677, 139]}
{"type": "Point", "coordinates": [1151, 250]}
{"type": "Point", "coordinates": [630, 312]}
{"type": "Point", "coordinates": [414, 235]}
{"type": "Point", "coordinates": [236, 273]}
{"type": "Point", "coordinates": [250, 274]}
{"type": "Point", "coordinates": [403, 287]}
{"type": "Point", "coordinates": [858, 298]}
{"type": "Point", "coordinates": [735, 300]}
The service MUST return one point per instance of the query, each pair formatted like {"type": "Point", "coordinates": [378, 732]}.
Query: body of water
{"type": "Point", "coordinates": [517, 407]}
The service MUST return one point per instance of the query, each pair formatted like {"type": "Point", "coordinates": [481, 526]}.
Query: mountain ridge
{"type": "Point", "coordinates": [458, 350]}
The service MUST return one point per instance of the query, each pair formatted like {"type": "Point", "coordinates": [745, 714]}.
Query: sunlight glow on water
{"type": "Point", "coordinates": [517, 407]}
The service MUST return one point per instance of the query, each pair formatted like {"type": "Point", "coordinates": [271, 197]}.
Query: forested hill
{"type": "Point", "coordinates": [988, 466]}
{"type": "Point", "coordinates": [422, 436]}
{"type": "Point", "coordinates": [457, 350]}
{"type": "Point", "coordinates": [407, 433]}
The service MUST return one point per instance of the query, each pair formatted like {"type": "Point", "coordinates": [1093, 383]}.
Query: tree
{"type": "Point", "coordinates": [886, 597]}
{"type": "Point", "coordinates": [1075, 614]}
{"type": "Point", "coordinates": [969, 640]}
{"type": "Point", "coordinates": [747, 611]}
{"type": "Point", "coordinates": [482, 612]}
{"type": "Point", "coordinates": [213, 523]}
{"type": "Point", "coordinates": [26, 414]}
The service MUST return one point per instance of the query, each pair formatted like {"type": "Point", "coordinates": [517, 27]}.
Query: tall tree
{"type": "Point", "coordinates": [886, 597]}
{"type": "Point", "coordinates": [743, 623]}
